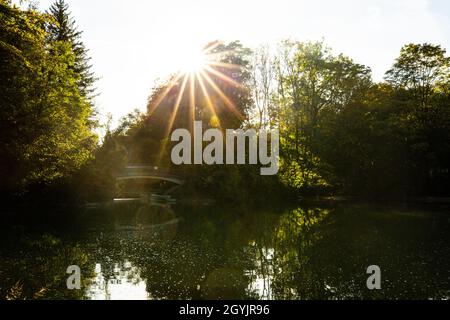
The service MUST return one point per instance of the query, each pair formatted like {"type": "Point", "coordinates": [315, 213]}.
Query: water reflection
{"type": "Point", "coordinates": [145, 221]}
{"type": "Point", "coordinates": [141, 251]}
{"type": "Point", "coordinates": [125, 284]}
{"type": "Point", "coordinates": [262, 274]}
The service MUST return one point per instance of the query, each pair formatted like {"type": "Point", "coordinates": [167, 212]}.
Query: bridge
{"type": "Point", "coordinates": [147, 184]}
{"type": "Point", "coordinates": [138, 172]}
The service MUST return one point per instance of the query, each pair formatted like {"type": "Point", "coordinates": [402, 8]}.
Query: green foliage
{"type": "Point", "coordinates": [422, 69]}
{"type": "Point", "coordinates": [146, 137]}
{"type": "Point", "coordinates": [42, 274]}
{"type": "Point", "coordinates": [338, 130]}
{"type": "Point", "coordinates": [46, 123]}
{"type": "Point", "coordinates": [341, 131]}
{"type": "Point", "coordinates": [394, 141]}
{"type": "Point", "coordinates": [311, 82]}
{"type": "Point", "coordinates": [63, 28]}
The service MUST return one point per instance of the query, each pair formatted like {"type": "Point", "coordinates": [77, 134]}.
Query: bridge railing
{"type": "Point", "coordinates": [149, 171]}
{"type": "Point", "coordinates": [144, 170]}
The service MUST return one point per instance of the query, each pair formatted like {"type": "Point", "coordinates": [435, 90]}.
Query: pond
{"type": "Point", "coordinates": [315, 251]}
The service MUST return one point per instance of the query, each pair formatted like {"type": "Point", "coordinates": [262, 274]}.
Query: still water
{"type": "Point", "coordinates": [134, 251]}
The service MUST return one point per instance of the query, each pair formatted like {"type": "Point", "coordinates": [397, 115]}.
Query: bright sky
{"type": "Point", "coordinates": [133, 42]}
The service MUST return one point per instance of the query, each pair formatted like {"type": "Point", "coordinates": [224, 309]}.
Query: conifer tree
{"type": "Point", "coordinates": [65, 29]}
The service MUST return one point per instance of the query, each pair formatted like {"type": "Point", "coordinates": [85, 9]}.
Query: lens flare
{"type": "Point", "coordinates": [201, 69]}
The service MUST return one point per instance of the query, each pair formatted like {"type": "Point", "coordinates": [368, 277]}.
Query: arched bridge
{"type": "Point", "coordinates": [134, 172]}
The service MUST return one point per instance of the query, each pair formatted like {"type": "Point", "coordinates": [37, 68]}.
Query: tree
{"type": "Point", "coordinates": [45, 123]}
{"type": "Point", "coordinates": [393, 140]}
{"type": "Point", "coordinates": [312, 81]}
{"type": "Point", "coordinates": [262, 83]}
{"type": "Point", "coordinates": [362, 147]}
{"type": "Point", "coordinates": [421, 69]}
{"type": "Point", "coordinates": [64, 29]}
{"type": "Point", "coordinates": [421, 77]}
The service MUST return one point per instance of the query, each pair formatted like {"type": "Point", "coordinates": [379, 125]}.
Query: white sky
{"type": "Point", "coordinates": [133, 42]}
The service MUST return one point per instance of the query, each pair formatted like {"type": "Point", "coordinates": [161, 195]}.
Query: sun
{"type": "Point", "coordinates": [192, 61]}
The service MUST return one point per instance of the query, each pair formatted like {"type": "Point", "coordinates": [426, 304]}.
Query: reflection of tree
{"type": "Point", "coordinates": [283, 252]}
{"type": "Point", "coordinates": [38, 269]}
{"type": "Point", "coordinates": [123, 283]}
{"type": "Point", "coordinates": [323, 256]}
{"type": "Point", "coordinates": [305, 253]}
{"type": "Point", "coordinates": [255, 254]}
{"type": "Point", "coordinates": [295, 238]}
{"type": "Point", "coordinates": [205, 260]}
{"type": "Point", "coordinates": [171, 265]}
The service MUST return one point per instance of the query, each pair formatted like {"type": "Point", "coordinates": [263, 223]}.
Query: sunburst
{"type": "Point", "coordinates": [200, 67]}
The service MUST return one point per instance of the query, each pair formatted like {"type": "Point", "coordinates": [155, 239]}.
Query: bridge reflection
{"type": "Point", "coordinates": [143, 204]}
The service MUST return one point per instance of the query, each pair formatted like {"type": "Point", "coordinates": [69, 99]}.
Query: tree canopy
{"type": "Point", "coordinates": [46, 120]}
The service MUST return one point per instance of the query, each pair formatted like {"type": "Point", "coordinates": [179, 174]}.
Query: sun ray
{"type": "Point", "coordinates": [211, 47]}
{"type": "Point", "coordinates": [207, 97]}
{"type": "Point", "coordinates": [225, 99]}
{"type": "Point", "coordinates": [224, 65]}
{"type": "Point", "coordinates": [172, 120]}
{"type": "Point", "coordinates": [223, 77]}
{"type": "Point", "coordinates": [164, 94]}
{"type": "Point", "coordinates": [192, 99]}
{"type": "Point", "coordinates": [200, 69]}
